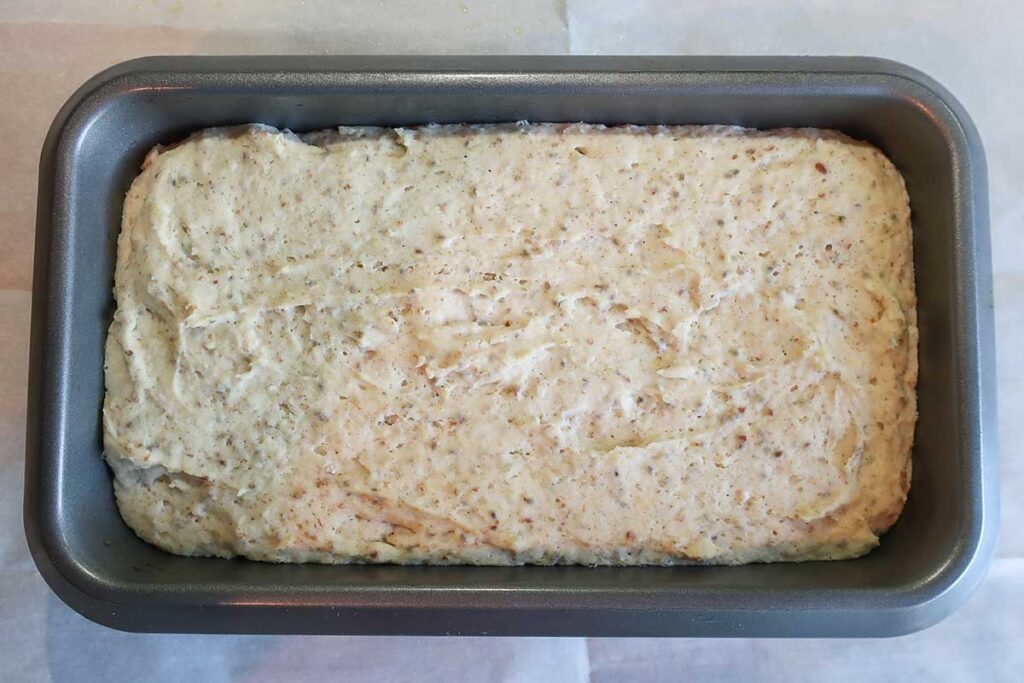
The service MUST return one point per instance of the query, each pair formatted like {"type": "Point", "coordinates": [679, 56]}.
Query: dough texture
{"type": "Point", "coordinates": [516, 343]}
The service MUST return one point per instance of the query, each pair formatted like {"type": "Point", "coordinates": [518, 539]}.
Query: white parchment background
{"type": "Point", "coordinates": [48, 47]}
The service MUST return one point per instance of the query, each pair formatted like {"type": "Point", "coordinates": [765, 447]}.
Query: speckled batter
{"type": "Point", "coordinates": [513, 344]}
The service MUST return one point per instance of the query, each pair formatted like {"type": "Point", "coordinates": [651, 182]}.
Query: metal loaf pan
{"type": "Point", "coordinates": [926, 566]}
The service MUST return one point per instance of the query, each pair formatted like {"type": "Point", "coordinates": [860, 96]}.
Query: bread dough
{"type": "Point", "coordinates": [508, 344]}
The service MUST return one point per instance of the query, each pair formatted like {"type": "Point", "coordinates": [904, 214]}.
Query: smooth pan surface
{"type": "Point", "coordinates": [925, 567]}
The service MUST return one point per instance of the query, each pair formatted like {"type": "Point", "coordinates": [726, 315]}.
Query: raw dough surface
{"type": "Point", "coordinates": [513, 344]}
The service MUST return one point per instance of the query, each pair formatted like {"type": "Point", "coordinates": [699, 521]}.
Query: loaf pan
{"type": "Point", "coordinates": [925, 567]}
